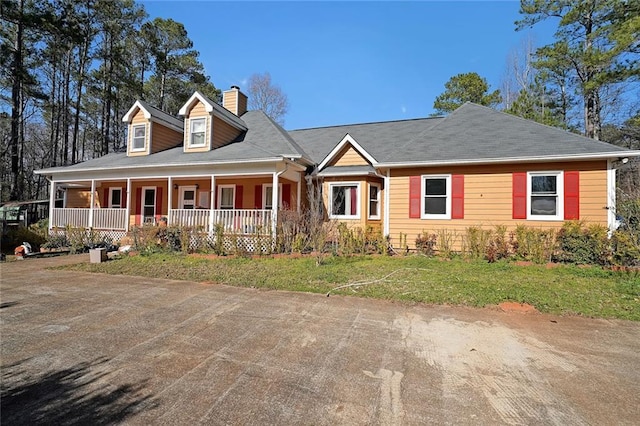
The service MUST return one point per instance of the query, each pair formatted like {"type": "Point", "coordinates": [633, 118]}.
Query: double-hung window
{"type": "Point", "coordinates": [226, 197]}
{"type": "Point", "coordinates": [267, 196]}
{"type": "Point", "coordinates": [344, 199]}
{"type": "Point", "coordinates": [374, 201]}
{"type": "Point", "coordinates": [545, 192]}
{"type": "Point", "coordinates": [197, 132]}
{"type": "Point", "coordinates": [115, 198]}
{"type": "Point", "coordinates": [139, 136]}
{"type": "Point", "coordinates": [436, 197]}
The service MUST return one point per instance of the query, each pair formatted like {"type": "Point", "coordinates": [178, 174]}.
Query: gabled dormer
{"type": "Point", "coordinates": [208, 125]}
{"type": "Point", "coordinates": [150, 130]}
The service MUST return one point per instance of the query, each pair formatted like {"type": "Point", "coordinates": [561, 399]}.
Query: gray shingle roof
{"type": "Point", "coordinates": [161, 115]}
{"type": "Point", "coordinates": [378, 139]}
{"type": "Point", "coordinates": [470, 133]}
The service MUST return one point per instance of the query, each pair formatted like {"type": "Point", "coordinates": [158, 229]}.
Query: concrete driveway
{"type": "Point", "coordinates": [98, 349]}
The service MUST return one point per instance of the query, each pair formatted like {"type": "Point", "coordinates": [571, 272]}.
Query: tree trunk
{"type": "Point", "coordinates": [16, 106]}
{"type": "Point", "coordinates": [76, 119]}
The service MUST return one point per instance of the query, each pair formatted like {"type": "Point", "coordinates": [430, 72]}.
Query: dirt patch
{"type": "Point", "coordinates": [524, 308]}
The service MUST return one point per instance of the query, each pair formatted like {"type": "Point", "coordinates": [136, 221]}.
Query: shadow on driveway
{"type": "Point", "coordinates": [67, 396]}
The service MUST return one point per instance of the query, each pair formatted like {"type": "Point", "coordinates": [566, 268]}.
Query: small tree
{"type": "Point", "coordinates": [267, 97]}
{"type": "Point", "coordinates": [461, 88]}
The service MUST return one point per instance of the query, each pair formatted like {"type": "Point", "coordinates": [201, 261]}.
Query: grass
{"type": "Point", "coordinates": [592, 292]}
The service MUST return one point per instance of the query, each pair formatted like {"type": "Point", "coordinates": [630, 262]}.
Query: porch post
{"type": "Point", "coordinates": [387, 197]}
{"type": "Point", "coordinates": [169, 199]}
{"type": "Point", "coordinates": [52, 203]}
{"type": "Point", "coordinates": [274, 204]}
{"type": "Point", "coordinates": [212, 196]}
{"type": "Point", "coordinates": [93, 201]}
{"type": "Point", "coordinates": [128, 219]}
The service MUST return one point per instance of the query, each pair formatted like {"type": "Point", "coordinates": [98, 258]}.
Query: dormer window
{"type": "Point", "coordinates": [139, 136]}
{"type": "Point", "coordinates": [197, 130]}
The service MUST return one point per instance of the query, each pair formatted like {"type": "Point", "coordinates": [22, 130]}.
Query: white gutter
{"type": "Point", "coordinates": [173, 165]}
{"type": "Point", "coordinates": [499, 160]}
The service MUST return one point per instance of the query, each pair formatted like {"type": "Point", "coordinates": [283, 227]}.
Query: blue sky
{"type": "Point", "coordinates": [351, 62]}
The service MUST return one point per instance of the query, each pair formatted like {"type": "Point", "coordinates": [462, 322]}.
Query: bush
{"type": "Point", "coordinates": [536, 245]}
{"type": "Point", "coordinates": [475, 242]}
{"type": "Point", "coordinates": [17, 235]}
{"type": "Point", "coordinates": [426, 243]}
{"type": "Point", "coordinates": [583, 245]}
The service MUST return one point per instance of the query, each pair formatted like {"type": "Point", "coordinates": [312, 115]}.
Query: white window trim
{"type": "Point", "coordinates": [155, 198]}
{"type": "Point", "coordinates": [204, 139]}
{"type": "Point", "coordinates": [182, 190]}
{"type": "Point", "coordinates": [423, 181]}
{"type": "Point", "coordinates": [219, 198]}
{"type": "Point", "coordinates": [375, 215]}
{"type": "Point", "coordinates": [133, 138]}
{"type": "Point", "coordinates": [559, 189]}
{"type": "Point", "coordinates": [330, 200]}
{"type": "Point", "coordinates": [110, 204]}
{"type": "Point", "coordinates": [265, 198]}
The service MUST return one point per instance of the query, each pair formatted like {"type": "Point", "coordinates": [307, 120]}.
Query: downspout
{"type": "Point", "coordinates": [52, 202]}
{"type": "Point", "coordinates": [93, 202]}
{"type": "Point", "coordinates": [611, 197]}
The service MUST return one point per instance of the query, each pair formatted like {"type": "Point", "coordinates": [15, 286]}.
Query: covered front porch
{"type": "Point", "coordinates": [236, 203]}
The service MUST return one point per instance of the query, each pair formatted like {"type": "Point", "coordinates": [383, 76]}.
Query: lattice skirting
{"type": "Point", "coordinates": [115, 235]}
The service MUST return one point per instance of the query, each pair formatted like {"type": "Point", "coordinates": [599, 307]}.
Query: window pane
{"type": "Point", "coordinates": [148, 211]}
{"type": "Point", "coordinates": [436, 187]}
{"type": "Point", "coordinates": [373, 208]}
{"type": "Point", "coordinates": [373, 192]}
{"type": "Point", "coordinates": [149, 197]}
{"type": "Point", "coordinates": [189, 195]}
{"type": "Point", "coordinates": [197, 125]}
{"type": "Point", "coordinates": [138, 132]}
{"type": "Point", "coordinates": [435, 205]}
{"type": "Point", "coordinates": [115, 197]}
{"type": "Point", "coordinates": [226, 198]}
{"type": "Point", "coordinates": [543, 184]}
{"type": "Point", "coordinates": [339, 200]}
{"type": "Point", "coordinates": [268, 197]}
{"type": "Point", "coordinates": [544, 205]}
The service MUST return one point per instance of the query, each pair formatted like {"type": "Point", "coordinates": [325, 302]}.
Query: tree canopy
{"type": "Point", "coordinates": [267, 97]}
{"type": "Point", "coordinates": [461, 88]}
{"type": "Point", "coordinates": [597, 42]}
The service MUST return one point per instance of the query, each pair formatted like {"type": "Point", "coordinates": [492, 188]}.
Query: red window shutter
{"type": "Point", "coordinates": [286, 195]}
{"type": "Point", "coordinates": [258, 197]}
{"type": "Point", "coordinates": [138, 205]}
{"type": "Point", "coordinates": [414, 196]}
{"type": "Point", "coordinates": [105, 198]}
{"type": "Point", "coordinates": [123, 199]}
{"type": "Point", "coordinates": [519, 195]}
{"type": "Point", "coordinates": [158, 202]}
{"type": "Point", "coordinates": [238, 200]}
{"type": "Point", "coordinates": [572, 195]}
{"type": "Point", "coordinates": [457, 197]}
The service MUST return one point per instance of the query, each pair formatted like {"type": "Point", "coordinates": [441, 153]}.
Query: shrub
{"type": "Point", "coordinates": [625, 251]}
{"type": "Point", "coordinates": [536, 245]}
{"type": "Point", "coordinates": [17, 235]}
{"type": "Point", "coordinates": [497, 246]}
{"type": "Point", "coordinates": [426, 243]}
{"type": "Point", "coordinates": [446, 240]}
{"type": "Point", "coordinates": [583, 245]}
{"type": "Point", "coordinates": [475, 242]}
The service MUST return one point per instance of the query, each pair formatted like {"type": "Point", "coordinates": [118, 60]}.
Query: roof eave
{"type": "Point", "coordinates": [529, 159]}
{"type": "Point", "coordinates": [150, 166]}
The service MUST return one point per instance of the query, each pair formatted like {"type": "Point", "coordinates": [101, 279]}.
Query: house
{"type": "Point", "coordinates": [224, 165]}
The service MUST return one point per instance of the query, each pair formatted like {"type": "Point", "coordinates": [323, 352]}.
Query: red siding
{"type": "Point", "coordinates": [286, 195]}
{"type": "Point", "coordinates": [238, 200]}
{"type": "Point", "coordinates": [258, 197]}
{"type": "Point", "coordinates": [138, 205]}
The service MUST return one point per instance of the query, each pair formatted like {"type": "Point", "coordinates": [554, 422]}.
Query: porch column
{"type": "Point", "coordinates": [52, 203]}
{"type": "Point", "coordinates": [169, 200]}
{"type": "Point", "coordinates": [212, 206]}
{"type": "Point", "coordinates": [93, 201]}
{"type": "Point", "coordinates": [387, 196]}
{"type": "Point", "coordinates": [128, 218]}
{"type": "Point", "coordinates": [274, 204]}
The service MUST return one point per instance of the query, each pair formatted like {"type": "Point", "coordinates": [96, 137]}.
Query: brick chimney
{"type": "Point", "coordinates": [234, 100]}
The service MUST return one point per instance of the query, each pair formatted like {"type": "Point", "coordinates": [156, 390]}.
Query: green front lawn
{"type": "Point", "coordinates": [592, 292]}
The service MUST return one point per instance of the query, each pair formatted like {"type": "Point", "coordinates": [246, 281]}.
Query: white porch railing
{"type": "Point", "coordinates": [110, 219]}
{"type": "Point", "coordinates": [115, 219]}
{"type": "Point", "coordinates": [238, 221]}
{"type": "Point", "coordinates": [185, 217]}
{"type": "Point", "coordinates": [72, 217]}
